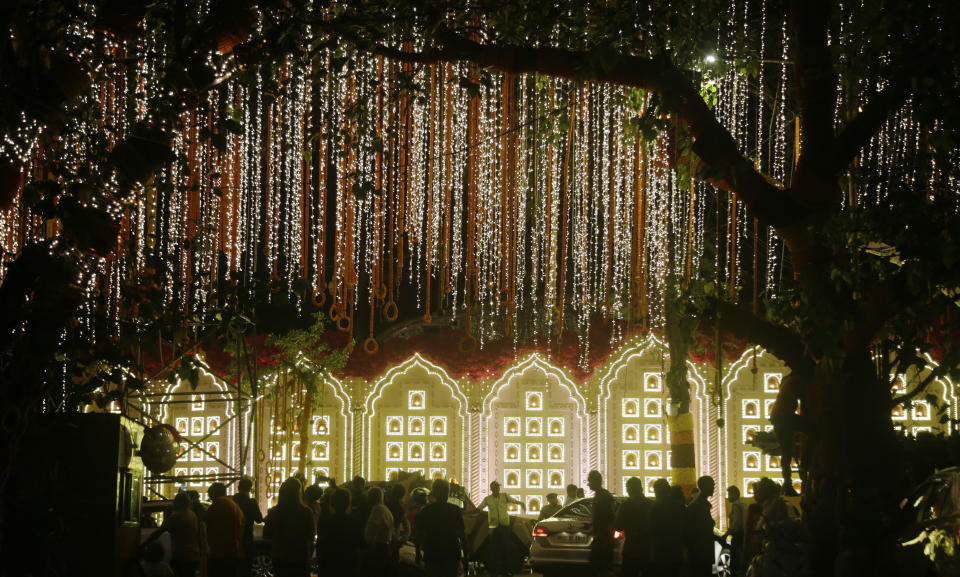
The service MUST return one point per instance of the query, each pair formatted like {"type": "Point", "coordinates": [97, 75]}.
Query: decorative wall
{"type": "Point", "coordinates": [534, 428]}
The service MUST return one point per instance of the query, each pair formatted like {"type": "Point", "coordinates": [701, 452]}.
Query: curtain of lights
{"type": "Point", "coordinates": [526, 205]}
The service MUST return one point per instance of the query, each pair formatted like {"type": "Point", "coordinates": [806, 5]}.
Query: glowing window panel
{"type": "Point", "coordinates": [768, 428]}
{"type": "Point", "coordinates": [394, 451]}
{"type": "Point", "coordinates": [196, 454]}
{"type": "Point", "coordinates": [555, 452]}
{"type": "Point", "coordinates": [183, 426]}
{"type": "Point", "coordinates": [534, 426]}
{"type": "Point", "coordinates": [213, 449]}
{"type": "Point", "coordinates": [196, 426]}
{"type": "Point", "coordinates": [798, 486]}
{"type": "Point", "coordinates": [555, 426]}
{"type": "Point", "coordinates": [898, 414]}
{"type": "Point", "coordinates": [534, 452]}
{"type": "Point", "coordinates": [320, 472]}
{"type": "Point", "coordinates": [921, 411]}
{"type": "Point", "coordinates": [279, 451]}
{"type": "Point", "coordinates": [395, 425]}
{"type": "Point", "coordinates": [652, 382]}
{"type": "Point", "coordinates": [438, 425]}
{"type": "Point", "coordinates": [438, 473]}
{"type": "Point", "coordinates": [421, 470]}
{"type": "Point", "coordinates": [533, 400]}
{"type": "Point", "coordinates": [748, 483]}
{"type": "Point", "coordinates": [771, 382]}
{"type": "Point", "coordinates": [751, 461]}
{"type": "Point", "coordinates": [773, 463]}
{"type": "Point", "coordinates": [321, 451]}
{"type": "Point", "coordinates": [513, 508]}
{"type": "Point", "coordinates": [748, 433]}
{"type": "Point", "coordinates": [180, 473]}
{"type": "Point", "coordinates": [534, 478]}
{"type": "Point", "coordinates": [196, 402]}
{"type": "Point", "coordinates": [533, 504]}
{"type": "Point", "coordinates": [416, 400]}
{"type": "Point", "coordinates": [196, 474]}
{"type": "Point", "coordinates": [511, 426]}
{"type": "Point", "coordinates": [415, 451]}
{"type": "Point", "coordinates": [392, 473]}
{"type": "Point", "coordinates": [555, 478]}
{"type": "Point", "coordinates": [653, 460]}
{"type": "Point", "coordinates": [631, 434]}
{"type": "Point", "coordinates": [917, 430]}
{"type": "Point", "coordinates": [751, 408]}
{"type": "Point", "coordinates": [438, 451]}
{"type": "Point", "coordinates": [898, 383]}
{"type": "Point", "coordinates": [653, 433]}
{"type": "Point", "coordinates": [321, 425]}
{"type": "Point", "coordinates": [211, 471]}
{"type": "Point", "coordinates": [648, 486]}
{"type": "Point", "coordinates": [295, 449]}
{"type": "Point", "coordinates": [669, 460]}
{"type": "Point", "coordinates": [511, 478]}
{"type": "Point", "coordinates": [653, 408]}
{"type": "Point", "coordinates": [415, 426]}
{"type": "Point", "coordinates": [631, 459]}
{"type": "Point", "coordinates": [511, 452]}
{"type": "Point", "coordinates": [631, 408]}
{"type": "Point", "coordinates": [213, 423]}
{"type": "Point", "coordinates": [768, 407]}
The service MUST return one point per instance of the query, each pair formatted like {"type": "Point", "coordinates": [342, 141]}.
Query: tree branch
{"type": "Point", "coordinates": [936, 373]}
{"type": "Point", "coordinates": [815, 81]}
{"type": "Point", "coordinates": [724, 166]}
{"type": "Point", "coordinates": [855, 135]}
{"type": "Point", "coordinates": [784, 343]}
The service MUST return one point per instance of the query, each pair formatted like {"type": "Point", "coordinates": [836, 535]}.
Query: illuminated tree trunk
{"type": "Point", "coordinates": [683, 462]}
{"type": "Point", "coordinates": [304, 420]}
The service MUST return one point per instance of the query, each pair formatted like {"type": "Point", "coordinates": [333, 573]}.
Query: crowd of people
{"type": "Point", "coordinates": [357, 530]}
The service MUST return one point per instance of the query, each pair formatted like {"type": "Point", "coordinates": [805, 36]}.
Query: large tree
{"type": "Point", "coordinates": [865, 208]}
{"type": "Point", "coordinates": [874, 275]}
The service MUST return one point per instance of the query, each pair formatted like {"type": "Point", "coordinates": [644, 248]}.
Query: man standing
{"type": "Point", "coordinates": [666, 542]}
{"type": "Point", "coordinates": [699, 530]}
{"type": "Point", "coordinates": [633, 519]}
{"type": "Point", "coordinates": [786, 422]}
{"type": "Point", "coordinates": [440, 534]}
{"type": "Point", "coordinates": [551, 508]}
{"type": "Point", "coordinates": [571, 494]}
{"type": "Point", "coordinates": [224, 533]}
{"type": "Point", "coordinates": [498, 520]}
{"type": "Point", "coordinates": [251, 514]}
{"type": "Point", "coordinates": [601, 550]}
{"type": "Point", "coordinates": [738, 514]}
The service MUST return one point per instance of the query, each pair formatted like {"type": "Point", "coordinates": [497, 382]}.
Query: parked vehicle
{"type": "Point", "coordinates": [563, 541]}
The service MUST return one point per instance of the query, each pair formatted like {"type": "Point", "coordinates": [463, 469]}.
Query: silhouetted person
{"type": "Point", "coordinates": [633, 519]}
{"type": "Point", "coordinates": [311, 498]}
{"type": "Point", "coordinates": [251, 515]}
{"type": "Point", "coordinates": [698, 527]}
{"type": "Point", "coordinates": [224, 533]}
{"type": "Point", "coordinates": [378, 537]}
{"type": "Point", "coordinates": [601, 550]}
{"type": "Point", "coordinates": [571, 494]}
{"type": "Point", "coordinates": [339, 538]}
{"type": "Point", "coordinates": [440, 534]}
{"type": "Point", "coordinates": [401, 526]}
{"type": "Point", "coordinates": [289, 526]}
{"type": "Point", "coordinates": [736, 529]}
{"type": "Point", "coordinates": [786, 423]}
{"type": "Point", "coordinates": [676, 493]}
{"type": "Point", "coordinates": [498, 521]}
{"type": "Point", "coordinates": [184, 529]}
{"type": "Point", "coordinates": [419, 497]}
{"type": "Point", "coordinates": [694, 493]}
{"type": "Point", "coordinates": [551, 508]}
{"type": "Point", "coordinates": [666, 539]}
{"type": "Point", "coordinates": [152, 564]}
{"type": "Point", "coordinates": [359, 508]}
{"type": "Point", "coordinates": [580, 493]}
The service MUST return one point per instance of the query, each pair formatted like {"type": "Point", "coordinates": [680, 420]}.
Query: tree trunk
{"type": "Point", "coordinates": [683, 459]}
{"type": "Point", "coordinates": [304, 420]}
{"type": "Point", "coordinates": [850, 492]}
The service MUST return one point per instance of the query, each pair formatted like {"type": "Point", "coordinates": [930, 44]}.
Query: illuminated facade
{"type": "Point", "coordinates": [534, 428]}
{"type": "Point", "coordinates": [534, 420]}
{"type": "Point", "coordinates": [414, 421]}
